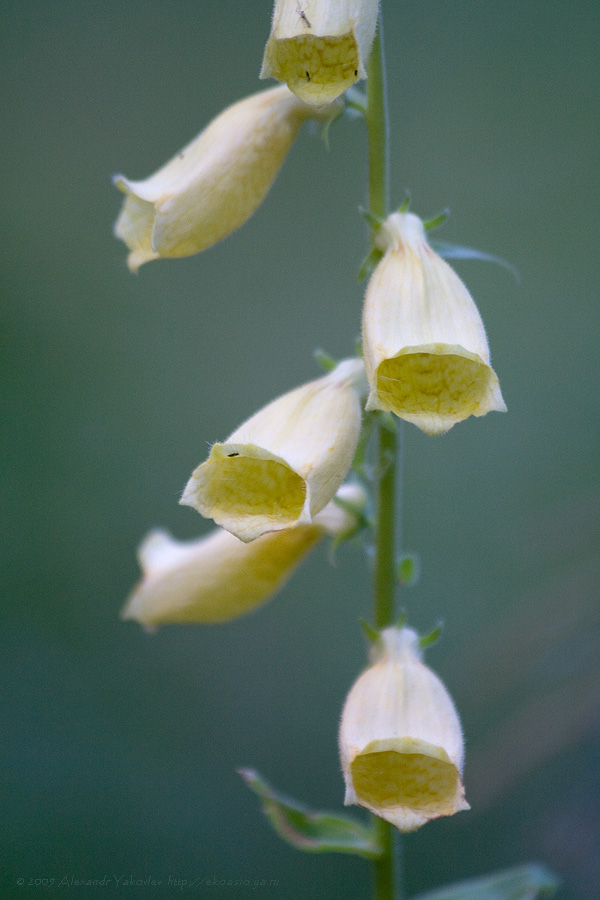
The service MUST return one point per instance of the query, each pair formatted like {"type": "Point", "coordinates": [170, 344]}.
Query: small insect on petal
{"type": "Point", "coordinates": [320, 47]}
{"type": "Point", "coordinates": [286, 462]}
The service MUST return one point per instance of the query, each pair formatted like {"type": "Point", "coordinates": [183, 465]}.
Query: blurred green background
{"type": "Point", "coordinates": [120, 748]}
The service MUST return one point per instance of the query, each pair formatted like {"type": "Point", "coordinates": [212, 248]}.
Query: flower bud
{"type": "Point", "coordinates": [401, 743]}
{"type": "Point", "coordinates": [320, 47]}
{"type": "Point", "coordinates": [426, 354]}
{"type": "Point", "coordinates": [215, 183]}
{"type": "Point", "coordinates": [218, 578]}
{"type": "Point", "coordinates": [285, 463]}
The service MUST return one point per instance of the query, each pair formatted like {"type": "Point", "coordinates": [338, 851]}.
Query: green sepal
{"type": "Point", "coordinates": [433, 637]}
{"type": "Point", "coordinates": [400, 621]}
{"type": "Point", "coordinates": [362, 522]}
{"type": "Point", "coordinates": [387, 420]}
{"type": "Point", "coordinates": [305, 829]}
{"type": "Point", "coordinates": [369, 263]}
{"type": "Point", "coordinates": [373, 221]}
{"type": "Point", "coordinates": [375, 254]}
{"type": "Point", "coordinates": [405, 204]}
{"type": "Point", "coordinates": [337, 111]}
{"type": "Point", "coordinates": [430, 224]}
{"type": "Point", "coordinates": [325, 134]}
{"type": "Point", "coordinates": [355, 510]}
{"type": "Point", "coordinates": [528, 882]}
{"type": "Point", "coordinates": [326, 361]}
{"type": "Point", "coordinates": [371, 634]}
{"type": "Point", "coordinates": [359, 463]}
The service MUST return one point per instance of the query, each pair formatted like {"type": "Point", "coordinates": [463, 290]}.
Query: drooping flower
{"type": "Point", "coordinates": [320, 47]}
{"type": "Point", "coordinates": [426, 353]}
{"type": "Point", "coordinates": [400, 739]}
{"type": "Point", "coordinates": [212, 186]}
{"type": "Point", "coordinates": [286, 462]}
{"type": "Point", "coordinates": [218, 577]}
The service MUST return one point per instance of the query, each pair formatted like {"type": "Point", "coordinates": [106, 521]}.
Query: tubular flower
{"type": "Point", "coordinates": [320, 47]}
{"type": "Point", "coordinates": [401, 743]}
{"type": "Point", "coordinates": [218, 578]}
{"type": "Point", "coordinates": [285, 463]}
{"type": "Point", "coordinates": [426, 354]}
{"type": "Point", "coordinates": [213, 185]}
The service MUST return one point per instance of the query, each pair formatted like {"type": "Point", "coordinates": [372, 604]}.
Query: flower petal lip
{"type": "Point", "coordinates": [285, 463]}
{"type": "Point", "coordinates": [426, 352]}
{"type": "Point", "coordinates": [218, 578]}
{"type": "Point", "coordinates": [401, 742]}
{"type": "Point", "coordinates": [320, 47]}
{"type": "Point", "coordinates": [212, 186]}
{"type": "Point", "coordinates": [248, 490]}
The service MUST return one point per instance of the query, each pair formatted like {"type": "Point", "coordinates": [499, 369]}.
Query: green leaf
{"type": "Point", "coordinates": [455, 251]}
{"type": "Point", "coordinates": [527, 882]}
{"type": "Point", "coordinates": [305, 829]}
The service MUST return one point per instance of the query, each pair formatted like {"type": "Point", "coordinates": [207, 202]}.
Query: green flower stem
{"type": "Point", "coordinates": [385, 553]}
{"type": "Point", "coordinates": [376, 118]}
{"type": "Point", "coordinates": [383, 868]}
{"type": "Point", "coordinates": [385, 547]}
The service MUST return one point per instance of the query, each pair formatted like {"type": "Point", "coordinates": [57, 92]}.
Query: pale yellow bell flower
{"type": "Point", "coordinates": [218, 577]}
{"type": "Point", "coordinates": [426, 353]}
{"type": "Point", "coordinates": [212, 186]}
{"type": "Point", "coordinates": [320, 47]}
{"type": "Point", "coordinates": [401, 743]}
{"type": "Point", "coordinates": [285, 463]}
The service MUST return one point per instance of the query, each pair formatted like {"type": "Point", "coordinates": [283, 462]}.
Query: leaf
{"type": "Point", "coordinates": [527, 882]}
{"type": "Point", "coordinates": [455, 251]}
{"type": "Point", "coordinates": [305, 829]}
